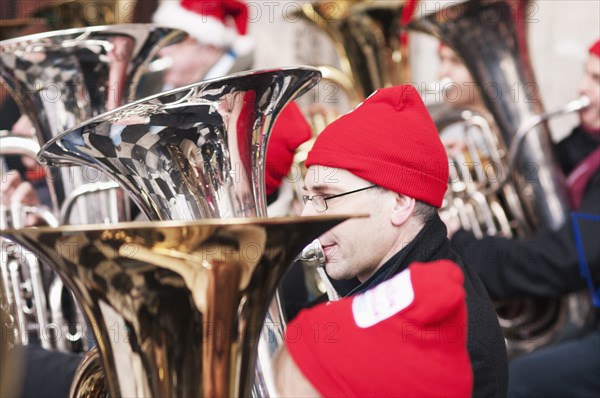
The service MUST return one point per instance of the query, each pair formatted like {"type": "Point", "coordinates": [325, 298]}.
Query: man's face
{"type": "Point", "coordinates": [590, 86]}
{"type": "Point", "coordinates": [461, 88]}
{"type": "Point", "coordinates": [190, 60]}
{"type": "Point", "coordinates": [355, 248]}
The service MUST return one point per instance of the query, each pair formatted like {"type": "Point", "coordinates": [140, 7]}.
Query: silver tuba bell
{"type": "Point", "coordinates": [196, 152]}
{"type": "Point", "coordinates": [59, 79]}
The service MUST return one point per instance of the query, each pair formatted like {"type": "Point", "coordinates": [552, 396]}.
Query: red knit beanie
{"type": "Point", "coordinates": [406, 337]}
{"type": "Point", "coordinates": [290, 130]}
{"type": "Point", "coordinates": [389, 140]}
{"type": "Point", "coordinates": [595, 49]}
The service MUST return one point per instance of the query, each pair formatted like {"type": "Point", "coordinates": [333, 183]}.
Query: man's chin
{"type": "Point", "coordinates": [334, 271]}
{"type": "Point", "coordinates": [589, 122]}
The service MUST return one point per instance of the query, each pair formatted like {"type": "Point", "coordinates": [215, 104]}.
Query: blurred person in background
{"type": "Point", "coordinates": [547, 264]}
{"type": "Point", "coordinates": [218, 43]}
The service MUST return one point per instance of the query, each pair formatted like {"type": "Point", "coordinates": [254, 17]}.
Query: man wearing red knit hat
{"type": "Point", "coordinates": [385, 158]}
{"type": "Point", "coordinates": [547, 264]}
{"type": "Point", "coordinates": [218, 43]}
{"type": "Point", "coordinates": [359, 346]}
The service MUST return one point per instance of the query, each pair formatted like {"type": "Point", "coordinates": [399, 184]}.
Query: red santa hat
{"type": "Point", "coordinates": [406, 337]}
{"type": "Point", "coordinates": [222, 23]}
{"type": "Point", "coordinates": [290, 130]}
{"type": "Point", "coordinates": [595, 49]}
{"type": "Point", "coordinates": [389, 140]}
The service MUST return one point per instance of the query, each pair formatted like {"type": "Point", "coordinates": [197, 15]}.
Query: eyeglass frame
{"type": "Point", "coordinates": [325, 198]}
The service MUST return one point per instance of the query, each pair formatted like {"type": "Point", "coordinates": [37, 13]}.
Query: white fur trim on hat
{"type": "Point", "coordinates": [243, 45]}
{"type": "Point", "coordinates": [206, 29]}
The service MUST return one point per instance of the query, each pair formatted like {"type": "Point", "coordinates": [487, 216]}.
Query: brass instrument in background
{"type": "Point", "coordinates": [486, 35]}
{"type": "Point", "coordinates": [490, 38]}
{"type": "Point", "coordinates": [481, 192]}
{"type": "Point", "coordinates": [366, 36]}
{"type": "Point", "coordinates": [194, 153]}
{"type": "Point", "coordinates": [10, 376]}
{"type": "Point", "coordinates": [177, 307]}
{"type": "Point", "coordinates": [60, 79]}
{"type": "Point", "coordinates": [476, 195]}
{"type": "Point", "coordinates": [43, 310]}
{"type": "Point", "coordinates": [69, 14]}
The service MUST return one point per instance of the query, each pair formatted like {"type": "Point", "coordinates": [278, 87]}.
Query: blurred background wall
{"type": "Point", "coordinates": [560, 32]}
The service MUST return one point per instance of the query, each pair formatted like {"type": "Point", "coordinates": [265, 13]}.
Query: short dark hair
{"type": "Point", "coordinates": [424, 211]}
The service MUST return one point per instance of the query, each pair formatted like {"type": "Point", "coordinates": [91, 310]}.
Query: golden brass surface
{"type": "Point", "coordinates": [176, 307]}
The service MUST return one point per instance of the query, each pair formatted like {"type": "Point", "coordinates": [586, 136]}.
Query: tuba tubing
{"type": "Point", "coordinates": [518, 142]}
{"type": "Point", "coordinates": [314, 256]}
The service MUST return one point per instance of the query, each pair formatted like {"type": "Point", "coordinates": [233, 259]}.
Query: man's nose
{"type": "Point", "coordinates": [444, 70]}
{"type": "Point", "coordinates": [584, 85]}
{"type": "Point", "coordinates": [309, 209]}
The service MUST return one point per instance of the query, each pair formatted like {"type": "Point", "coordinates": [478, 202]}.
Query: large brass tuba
{"type": "Point", "coordinates": [366, 36]}
{"type": "Point", "coordinates": [194, 153]}
{"type": "Point", "coordinates": [176, 308]}
{"type": "Point", "coordinates": [59, 79]}
{"type": "Point", "coordinates": [490, 37]}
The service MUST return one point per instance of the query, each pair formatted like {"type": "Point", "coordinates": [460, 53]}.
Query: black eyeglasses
{"type": "Point", "coordinates": [320, 201]}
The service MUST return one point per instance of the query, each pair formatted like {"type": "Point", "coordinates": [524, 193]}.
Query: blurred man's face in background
{"type": "Point", "coordinates": [191, 60]}
{"type": "Point", "coordinates": [459, 86]}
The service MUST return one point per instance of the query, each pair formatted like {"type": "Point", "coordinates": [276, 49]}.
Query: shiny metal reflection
{"type": "Point", "coordinates": [194, 153]}
{"type": "Point", "coordinates": [313, 255]}
{"type": "Point", "coordinates": [176, 307]}
{"type": "Point", "coordinates": [366, 37]}
{"type": "Point", "coordinates": [491, 38]}
{"type": "Point", "coordinates": [190, 153]}
{"type": "Point", "coordinates": [61, 78]}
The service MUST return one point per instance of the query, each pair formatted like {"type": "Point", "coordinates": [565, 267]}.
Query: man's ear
{"type": "Point", "coordinates": [402, 210]}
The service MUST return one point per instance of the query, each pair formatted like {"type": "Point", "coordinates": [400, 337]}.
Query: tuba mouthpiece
{"type": "Point", "coordinates": [577, 104]}
{"type": "Point", "coordinates": [313, 254]}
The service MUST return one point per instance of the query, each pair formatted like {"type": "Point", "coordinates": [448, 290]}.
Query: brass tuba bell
{"type": "Point", "coordinates": [366, 36]}
{"type": "Point", "coordinates": [176, 308]}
